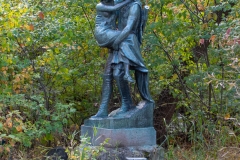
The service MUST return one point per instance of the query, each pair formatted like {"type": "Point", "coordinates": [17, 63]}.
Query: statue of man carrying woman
{"type": "Point", "coordinates": [119, 27]}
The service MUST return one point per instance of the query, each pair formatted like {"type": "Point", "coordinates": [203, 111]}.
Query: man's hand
{"type": "Point", "coordinates": [133, 17]}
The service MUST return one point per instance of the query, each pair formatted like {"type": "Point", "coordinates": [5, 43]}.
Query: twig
{"type": "Point", "coordinates": [191, 10]}
{"type": "Point", "coordinates": [175, 68]}
{"type": "Point", "coordinates": [87, 19]}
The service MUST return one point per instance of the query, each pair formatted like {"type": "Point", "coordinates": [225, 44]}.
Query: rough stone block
{"type": "Point", "coordinates": [132, 153]}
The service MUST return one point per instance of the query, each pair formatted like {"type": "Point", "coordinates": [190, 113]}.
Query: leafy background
{"type": "Point", "coordinates": [51, 68]}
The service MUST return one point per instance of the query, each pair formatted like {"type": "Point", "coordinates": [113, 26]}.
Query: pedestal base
{"type": "Point", "coordinates": [131, 153]}
{"type": "Point", "coordinates": [124, 137]}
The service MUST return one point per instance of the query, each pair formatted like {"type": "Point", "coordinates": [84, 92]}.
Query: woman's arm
{"type": "Point", "coordinates": [106, 8]}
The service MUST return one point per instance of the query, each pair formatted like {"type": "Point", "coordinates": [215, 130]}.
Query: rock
{"type": "Point", "coordinates": [56, 154]}
{"type": "Point", "coordinates": [124, 153]}
{"type": "Point", "coordinates": [2, 141]}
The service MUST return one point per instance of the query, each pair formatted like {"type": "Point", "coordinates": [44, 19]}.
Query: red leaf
{"type": "Point", "coordinates": [227, 33]}
{"type": "Point", "coordinates": [238, 41]}
{"type": "Point", "coordinates": [31, 27]}
{"type": "Point", "coordinates": [201, 41]}
{"type": "Point", "coordinates": [41, 15]}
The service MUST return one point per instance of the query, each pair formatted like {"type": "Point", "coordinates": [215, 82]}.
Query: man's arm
{"type": "Point", "coordinates": [107, 8]}
{"type": "Point", "coordinates": [133, 17]}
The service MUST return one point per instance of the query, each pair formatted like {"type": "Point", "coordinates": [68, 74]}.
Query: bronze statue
{"type": "Point", "coordinates": [105, 30]}
{"type": "Point", "coordinates": [123, 40]}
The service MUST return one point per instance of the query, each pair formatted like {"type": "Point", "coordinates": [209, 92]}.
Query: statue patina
{"type": "Point", "coordinates": [123, 39]}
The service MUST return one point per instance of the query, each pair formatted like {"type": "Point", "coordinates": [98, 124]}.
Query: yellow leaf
{"type": "Point", "coordinates": [175, 76]}
{"type": "Point", "coordinates": [161, 78]}
{"type": "Point", "coordinates": [57, 50]}
{"type": "Point", "coordinates": [200, 7]}
{"type": "Point", "coordinates": [204, 26]}
{"type": "Point", "coordinates": [18, 120]}
{"type": "Point", "coordinates": [212, 39]}
{"type": "Point", "coordinates": [209, 16]}
{"type": "Point", "coordinates": [30, 27]}
{"type": "Point", "coordinates": [9, 60]}
{"type": "Point", "coordinates": [215, 16]}
{"type": "Point", "coordinates": [19, 128]}
{"type": "Point", "coordinates": [7, 149]}
{"type": "Point", "coordinates": [231, 85]}
{"type": "Point", "coordinates": [12, 143]}
{"type": "Point", "coordinates": [9, 122]}
{"type": "Point", "coordinates": [17, 79]}
{"type": "Point", "coordinates": [227, 116]}
{"type": "Point", "coordinates": [11, 24]}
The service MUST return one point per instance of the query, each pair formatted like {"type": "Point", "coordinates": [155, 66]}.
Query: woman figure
{"type": "Point", "coordinates": [105, 29]}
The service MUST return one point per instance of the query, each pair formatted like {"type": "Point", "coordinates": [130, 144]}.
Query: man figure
{"type": "Point", "coordinates": [127, 44]}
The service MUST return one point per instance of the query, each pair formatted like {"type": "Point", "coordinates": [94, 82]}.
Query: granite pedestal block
{"type": "Point", "coordinates": [124, 137]}
{"type": "Point", "coordinates": [133, 128]}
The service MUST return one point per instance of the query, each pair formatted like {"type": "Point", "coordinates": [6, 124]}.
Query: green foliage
{"type": "Point", "coordinates": [86, 151]}
{"type": "Point", "coordinates": [193, 50]}
{"type": "Point", "coordinates": [48, 76]}
{"type": "Point", "coordinates": [51, 66]}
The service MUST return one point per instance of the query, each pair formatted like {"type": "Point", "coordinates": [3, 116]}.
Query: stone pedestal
{"type": "Point", "coordinates": [124, 137]}
{"type": "Point", "coordinates": [133, 128]}
{"type": "Point", "coordinates": [140, 116]}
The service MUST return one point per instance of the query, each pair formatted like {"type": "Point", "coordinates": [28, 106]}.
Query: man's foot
{"type": "Point", "coordinates": [121, 111]}
{"type": "Point", "coordinates": [102, 113]}
{"type": "Point", "coordinates": [128, 78]}
{"type": "Point", "coordinates": [100, 116]}
{"type": "Point", "coordinates": [124, 109]}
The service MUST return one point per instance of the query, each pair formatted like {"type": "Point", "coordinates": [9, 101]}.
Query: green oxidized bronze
{"type": "Point", "coordinates": [119, 27]}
